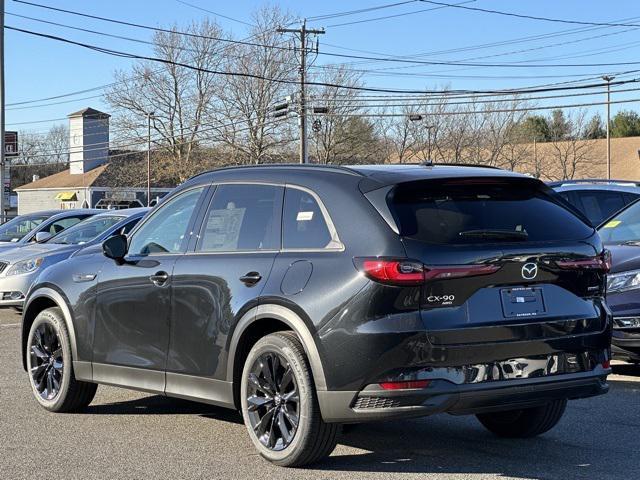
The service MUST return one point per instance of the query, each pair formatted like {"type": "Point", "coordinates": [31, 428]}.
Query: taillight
{"type": "Point", "coordinates": [393, 272]}
{"type": "Point", "coordinates": [410, 272]}
{"type": "Point", "coordinates": [407, 385]}
{"type": "Point", "coordinates": [600, 262]}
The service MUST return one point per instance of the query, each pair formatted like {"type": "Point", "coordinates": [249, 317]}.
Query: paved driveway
{"type": "Point", "coordinates": [132, 435]}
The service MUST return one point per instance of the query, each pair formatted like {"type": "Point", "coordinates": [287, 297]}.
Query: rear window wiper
{"type": "Point", "coordinates": [495, 234]}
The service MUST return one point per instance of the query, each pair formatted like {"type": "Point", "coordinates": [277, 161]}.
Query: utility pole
{"type": "Point", "coordinates": [302, 33]}
{"type": "Point", "coordinates": [2, 119]}
{"type": "Point", "coordinates": [149, 117]}
{"type": "Point", "coordinates": [608, 78]}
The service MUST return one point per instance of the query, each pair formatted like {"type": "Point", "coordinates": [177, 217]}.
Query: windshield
{"type": "Point", "coordinates": [623, 227]}
{"type": "Point", "coordinates": [86, 230]}
{"type": "Point", "coordinates": [471, 211]}
{"type": "Point", "coordinates": [15, 229]}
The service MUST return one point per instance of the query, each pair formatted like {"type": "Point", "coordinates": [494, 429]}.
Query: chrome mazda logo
{"type": "Point", "coordinates": [529, 271]}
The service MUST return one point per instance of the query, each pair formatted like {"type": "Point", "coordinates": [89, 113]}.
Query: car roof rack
{"type": "Point", "coordinates": [429, 163]}
{"type": "Point", "coordinates": [595, 181]}
{"type": "Point", "coordinates": [317, 166]}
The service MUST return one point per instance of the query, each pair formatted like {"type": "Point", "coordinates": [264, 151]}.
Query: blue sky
{"type": "Point", "coordinates": [38, 68]}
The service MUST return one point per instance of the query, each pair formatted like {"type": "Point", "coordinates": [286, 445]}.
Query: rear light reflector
{"type": "Point", "coordinates": [408, 385]}
{"type": "Point", "coordinates": [410, 272]}
{"type": "Point", "coordinates": [457, 271]}
{"type": "Point", "coordinates": [606, 364]}
{"type": "Point", "coordinates": [601, 262]}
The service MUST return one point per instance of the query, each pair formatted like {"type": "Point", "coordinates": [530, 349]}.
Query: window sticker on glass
{"type": "Point", "coordinates": [223, 228]}
{"type": "Point", "coordinates": [304, 216]}
{"type": "Point", "coordinates": [612, 224]}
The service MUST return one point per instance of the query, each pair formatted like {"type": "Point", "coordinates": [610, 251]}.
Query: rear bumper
{"type": "Point", "coordinates": [442, 396]}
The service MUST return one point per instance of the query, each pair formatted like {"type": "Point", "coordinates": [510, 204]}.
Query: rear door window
{"type": "Point", "coordinates": [468, 211]}
{"type": "Point", "coordinates": [243, 217]}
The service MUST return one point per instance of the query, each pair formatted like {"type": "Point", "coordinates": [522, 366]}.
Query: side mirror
{"type": "Point", "coordinates": [115, 247]}
{"type": "Point", "coordinates": [43, 236]}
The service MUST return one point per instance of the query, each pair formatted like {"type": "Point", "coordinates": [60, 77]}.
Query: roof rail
{"type": "Point", "coordinates": [471, 165]}
{"type": "Point", "coordinates": [317, 166]}
{"type": "Point", "coordinates": [585, 181]}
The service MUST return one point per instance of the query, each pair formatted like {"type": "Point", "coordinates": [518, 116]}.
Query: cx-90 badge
{"type": "Point", "coordinates": [529, 271]}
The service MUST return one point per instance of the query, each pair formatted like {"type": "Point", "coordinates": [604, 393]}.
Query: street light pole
{"type": "Point", "coordinates": [608, 78]}
{"type": "Point", "coordinates": [2, 119]}
{"type": "Point", "coordinates": [149, 116]}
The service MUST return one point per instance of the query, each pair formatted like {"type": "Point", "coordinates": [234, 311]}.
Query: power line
{"type": "Point", "coordinates": [482, 112]}
{"type": "Point", "coordinates": [382, 71]}
{"type": "Point", "coordinates": [332, 54]}
{"type": "Point", "coordinates": [359, 11]}
{"type": "Point", "coordinates": [247, 75]}
{"type": "Point", "coordinates": [512, 52]}
{"type": "Point", "coordinates": [387, 17]}
{"type": "Point", "coordinates": [148, 27]}
{"type": "Point", "coordinates": [101, 87]}
{"type": "Point", "coordinates": [218, 72]}
{"type": "Point", "coordinates": [357, 102]}
{"type": "Point", "coordinates": [512, 41]}
{"type": "Point", "coordinates": [214, 13]}
{"type": "Point", "coordinates": [529, 17]}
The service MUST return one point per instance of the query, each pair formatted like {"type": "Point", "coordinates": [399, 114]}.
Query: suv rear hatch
{"type": "Point", "coordinates": [502, 259]}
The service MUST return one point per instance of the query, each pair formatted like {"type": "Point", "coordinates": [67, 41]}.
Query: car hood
{"type": "Point", "coordinates": [4, 246]}
{"type": "Point", "coordinates": [32, 250]}
{"type": "Point", "coordinates": [624, 258]}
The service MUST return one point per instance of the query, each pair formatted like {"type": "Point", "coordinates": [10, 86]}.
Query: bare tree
{"type": "Point", "coordinates": [56, 143]}
{"type": "Point", "coordinates": [336, 136]}
{"type": "Point", "coordinates": [399, 134]}
{"type": "Point", "coordinates": [40, 154]}
{"type": "Point", "coordinates": [569, 154]}
{"type": "Point", "coordinates": [261, 72]}
{"type": "Point", "coordinates": [180, 98]}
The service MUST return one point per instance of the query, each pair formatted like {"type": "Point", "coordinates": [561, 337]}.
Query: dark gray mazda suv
{"type": "Point", "coordinates": [312, 296]}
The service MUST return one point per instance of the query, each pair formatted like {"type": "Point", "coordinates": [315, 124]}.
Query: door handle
{"type": "Point", "coordinates": [159, 279]}
{"type": "Point", "coordinates": [251, 278]}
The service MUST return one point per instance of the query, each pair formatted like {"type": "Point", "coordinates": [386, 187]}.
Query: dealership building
{"type": "Point", "coordinates": [88, 183]}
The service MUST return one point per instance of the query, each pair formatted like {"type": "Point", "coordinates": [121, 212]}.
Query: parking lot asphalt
{"type": "Point", "coordinates": [127, 434]}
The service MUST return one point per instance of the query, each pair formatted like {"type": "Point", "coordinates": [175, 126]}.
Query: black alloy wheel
{"type": "Point", "coordinates": [47, 364]}
{"type": "Point", "coordinates": [273, 401]}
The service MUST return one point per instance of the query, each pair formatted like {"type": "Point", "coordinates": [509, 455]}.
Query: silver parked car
{"type": "Point", "coordinates": [21, 266]}
{"type": "Point", "coordinates": [39, 226]}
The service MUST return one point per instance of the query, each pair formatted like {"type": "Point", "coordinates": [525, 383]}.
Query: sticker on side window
{"type": "Point", "coordinates": [304, 216]}
{"type": "Point", "coordinates": [612, 224]}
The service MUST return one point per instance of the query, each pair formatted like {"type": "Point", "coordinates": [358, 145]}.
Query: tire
{"type": "Point", "coordinates": [524, 423]}
{"type": "Point", "coordinates": [312, 439]}
{"type": "Point", "coordinates": [50, 367]}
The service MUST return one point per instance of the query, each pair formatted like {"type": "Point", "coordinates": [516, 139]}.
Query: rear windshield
{"type": "Point", "coordinates": [468, 211]}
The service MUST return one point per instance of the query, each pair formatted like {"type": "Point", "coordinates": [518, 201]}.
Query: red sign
{"type": "Point", "coordinates": [11, 144]}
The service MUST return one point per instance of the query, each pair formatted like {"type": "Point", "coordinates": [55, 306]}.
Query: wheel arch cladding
{"type": "Point", "coordinates": [41, 300]}
{"type": "Point", "coordinates": [263, 320]}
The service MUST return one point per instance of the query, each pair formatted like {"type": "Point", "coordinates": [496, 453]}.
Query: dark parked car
{"type": "Point", "coordinates": [598, 199]}
{"type": "Point", "coordinates": [310, 296]}
{"type": "Point", "coordinates": [621, 234]}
